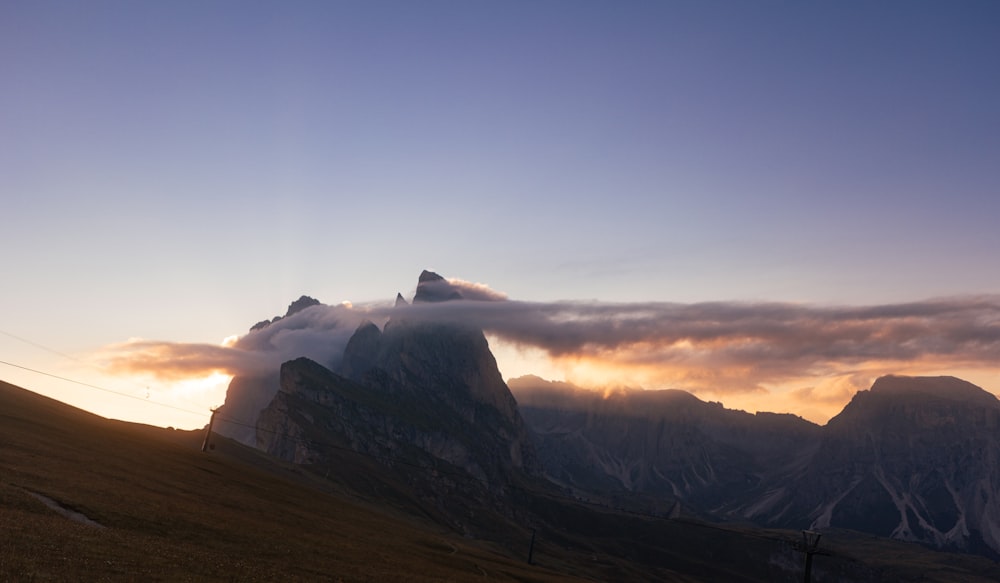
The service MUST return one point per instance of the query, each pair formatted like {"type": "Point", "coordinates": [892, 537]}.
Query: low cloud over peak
{"type": "Point", "coordinates": [431, 288]}
{"type": "Point", "coordinates": [724, 348]}
{"type": "Point", "coordinates": [316, 331]}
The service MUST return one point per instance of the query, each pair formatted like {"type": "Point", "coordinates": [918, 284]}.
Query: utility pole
{"type": "Point", "coordinates": [810, 544]}
{"type": "Point", "coordinates": [208, 432]}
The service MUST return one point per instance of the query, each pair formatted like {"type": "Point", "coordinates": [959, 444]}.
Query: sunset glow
{"type": "Point", "coordinates": [725, 198]}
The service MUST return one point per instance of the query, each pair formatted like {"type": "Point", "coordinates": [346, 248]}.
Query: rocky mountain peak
{"type": "Point", "coordinates": [943, 387]}
{"type": "Point", "coordinates": [431, 287]}
{"type": "Point", "coordinates": [361, 351]}
{"type": "Point", "coordinates": [902, 400]}
{"type": "Point", "coordinates": [428, 276]}
{"type": "Point", "coordinates": [913, 458]}
{"type": "Point", "coordinates": [293, 308]}
{"type": "Point", "coordinates": [447, 366]}
{"type": "Point", "coordinates": [300, 304]}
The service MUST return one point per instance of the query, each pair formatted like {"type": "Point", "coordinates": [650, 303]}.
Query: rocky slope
{"type": "Point", "coordinates": [915, 459]}
{"type": "Point", "coordinates": [412, 386]}
{"type": "Point", "coordinates": [422, 398]}
{"type": "Point", "coordinates": [659, 442]}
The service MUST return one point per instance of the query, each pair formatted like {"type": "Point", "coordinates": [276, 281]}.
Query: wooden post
{"type": "Point", "coordinates": [208, 432]}
{"type": "Point", "coordinates": [810, 544]}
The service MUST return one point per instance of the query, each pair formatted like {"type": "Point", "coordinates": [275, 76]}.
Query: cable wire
{"type": "Point", "coordinates": [99, 388]}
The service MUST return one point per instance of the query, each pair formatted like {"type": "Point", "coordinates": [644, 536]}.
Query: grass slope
{"type": "Point", "coordinates": [172, 513]}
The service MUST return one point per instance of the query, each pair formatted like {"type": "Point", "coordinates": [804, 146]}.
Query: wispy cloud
{"type": "Point", "coordinates": [320, 332]}
{"type": "Point", "coordinates": [445, 289]}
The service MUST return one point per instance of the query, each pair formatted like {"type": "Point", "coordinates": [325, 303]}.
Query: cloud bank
{"type": "Point", "coordinates": [726, 348]}
{"type": "Point", "coordinates": [745, 344]}
{"type": "Point", "coordinates": [319, 332]}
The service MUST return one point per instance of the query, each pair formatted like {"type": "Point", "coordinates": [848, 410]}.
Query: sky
{"type": "Point", "coordinates": [769, 203]}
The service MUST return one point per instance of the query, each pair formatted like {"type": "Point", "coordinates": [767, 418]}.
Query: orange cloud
{"type": "Point", "coordinates": [810, 357]}
{"type": "Point", "coordinates": [174, 361]}
{"type": "Point", "coordinates": [319, 332]}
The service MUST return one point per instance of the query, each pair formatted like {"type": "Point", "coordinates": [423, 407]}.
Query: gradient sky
{"type": "Point", "coordinates": [177, 171]}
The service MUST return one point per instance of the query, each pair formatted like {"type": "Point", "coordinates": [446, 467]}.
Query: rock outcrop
{"type": "Point", "coordinates": [386, 377]}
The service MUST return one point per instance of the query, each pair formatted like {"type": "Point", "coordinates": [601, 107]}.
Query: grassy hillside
{"type": "Point", "coordinates": [172, 513]}
{"type": "Point", "coordinates": [168, 512]}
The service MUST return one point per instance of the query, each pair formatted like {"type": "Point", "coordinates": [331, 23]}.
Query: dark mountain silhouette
{"type": "Point", "coordinates": [172, 512]}
{"type": "Point", "coordinates": [416, 394]}
{"type": "Point", "coordinates": [666, 443]}
{"type": "Point", "coordinates": [915, 459]}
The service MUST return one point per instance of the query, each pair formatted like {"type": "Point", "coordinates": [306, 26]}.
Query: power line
{"type": "Point", "coordinates": [39, 346]}
{"type": "Point", "coordinates": [99, 388]}
{"type": "Point", "coordinates": [383, 459]}
{"type": "Point", "coordinates": [92, 386]}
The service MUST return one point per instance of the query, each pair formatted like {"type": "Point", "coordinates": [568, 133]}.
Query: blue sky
{"type": "Point", "coordinates": [180, 170]}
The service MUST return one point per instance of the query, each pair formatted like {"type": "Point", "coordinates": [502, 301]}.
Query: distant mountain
{"type": "Point", "coordinates": [246, 397]}
{"type": "Point", "coordinates": [914, 458]}
{"type": "Point", "coordinates": [658, 442]}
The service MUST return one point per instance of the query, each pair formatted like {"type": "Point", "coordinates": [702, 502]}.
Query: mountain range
{"type": "Point", "coordinates": [913, 458]}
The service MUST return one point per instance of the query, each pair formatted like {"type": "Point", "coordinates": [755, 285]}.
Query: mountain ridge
{"type": "Point", "coordinates": [912, 458]}
{"type": "Point", "coordinates": [866, 469]}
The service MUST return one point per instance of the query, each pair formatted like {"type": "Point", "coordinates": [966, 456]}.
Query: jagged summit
{"type": "Point", "coordinates": [912, 458]}
{"type": "Point", "coordinates": [428, 276]}
{"type": "Point", "coordinates": [300, 304]}
{"type": "Point", "coordinates": [293, 308]}
{"type": "Point", "coordinates": [431, 287]}
{"type": "Point", "coordinates": [361, 352]}
{"type": "Point", "coordinates": [385, 376]}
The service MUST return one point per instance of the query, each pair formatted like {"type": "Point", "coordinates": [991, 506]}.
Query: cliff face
{"type": "Point", "coordinates": [916, 459]}
{"type": "Point", "coordinates": [245, 398]}
{"type": "Point", "coordinates": [414, 384]}
{"type": "Point", "coordinates": [247, 395]}
{"type": "Point", "coordinates": [316, 411]}
{"type": "Point", "coordinates": [450, 368]}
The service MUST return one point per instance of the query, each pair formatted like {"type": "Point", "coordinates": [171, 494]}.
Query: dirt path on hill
{"type": "Point", "coordinates": [65, 511]}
